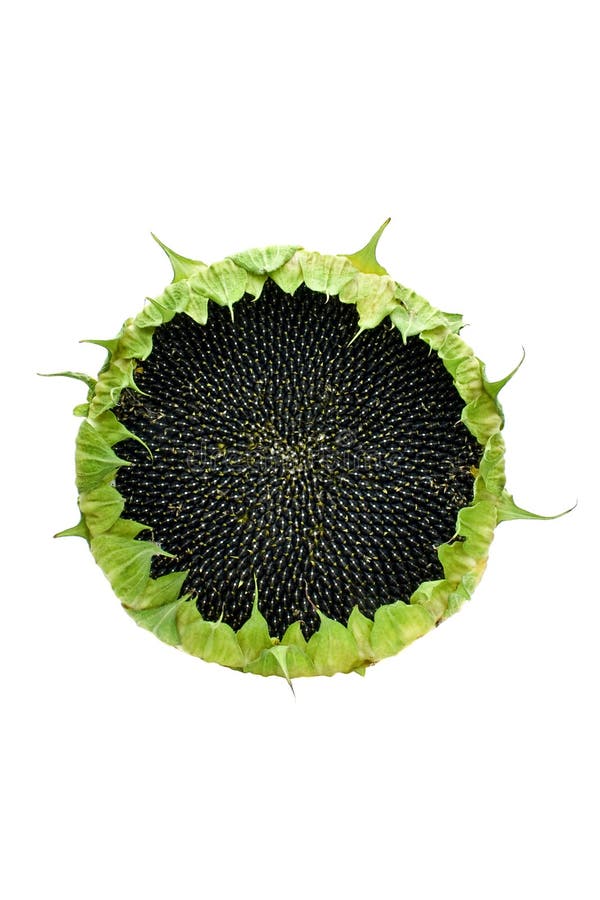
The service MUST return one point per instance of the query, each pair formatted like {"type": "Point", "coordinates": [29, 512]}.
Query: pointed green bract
{"type": "Point", "coordinates": [325, 274]}
{"type": "Point", "coordinates": [413, 315]}
{"type": "Point", "coordinates": [101, 507]}
{"type": "Point", "coordinates": [160, 592]}
{"type": "Point", "coordinates": [365, 260]}
{"type": "Point", "coordinates": [255, 284]}
{"type": "Point", "coordinates": [290, 276]}
{"type": "Point", "coordinates": [253, 637]}
{"type": "Point", "coordinates": [79, 530]}
{"type": "Point", "coordinates": [433, 597]}
{"type": "Point", "coordinates": [109, 345]}
{"type": "Point", "coordinates": [78, 376]}
{"type": "Point", "coordinates": [396, 625]}
{"type": "Point", "coordinates": [182, 266]}
{"type": "Point", "coordinates": [333, 648]}
{"type": "Point", "coordinates": [373, 296]}
{"type": "Point", "coordinates": [157, 604]}
{"type": "Point", "coordinates": [96, 462]}
{"type": "Point", "coordinates": [360, 628]}
{"type": "Point", "coordinates": [224, 282]}
{"type": "Point", "coordinates": [261, 261]}
{"type": "Point", "coordinates": [508, 510]}
{"type": "Point", "coordinates": [212, 641]}
{"type": "Point", "coordinates": [493, 388]}
{"type": "Point", "coordinates": [160, 620]}
{"type": "Point", "coordinates": [284, 660]}
{"type": "Point", "coordinates": [125, 562]}
{"type": "Point", "coordinates": [293, 637]}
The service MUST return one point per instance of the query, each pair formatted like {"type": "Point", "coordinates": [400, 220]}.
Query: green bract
{"type": "Point", "coordinates": [158, 604]}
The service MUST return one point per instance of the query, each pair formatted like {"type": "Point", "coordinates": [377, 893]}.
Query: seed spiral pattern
{"type": "Point", "coordinates": [323, 471]}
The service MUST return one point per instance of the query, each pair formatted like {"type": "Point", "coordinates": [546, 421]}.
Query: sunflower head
{"type": "Point", "coordinates": [289, 463]}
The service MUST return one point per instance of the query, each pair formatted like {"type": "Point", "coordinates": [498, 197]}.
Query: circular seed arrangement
{"type": "Point", "coordinates": [290, 464]}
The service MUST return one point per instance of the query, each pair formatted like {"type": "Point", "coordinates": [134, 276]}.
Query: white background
{"type": "Point", "coordinates": [464, 767]}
